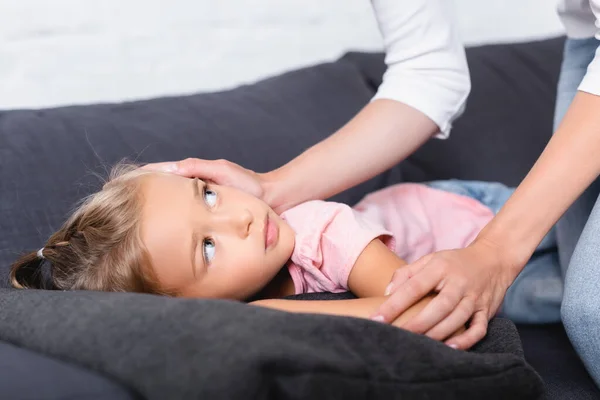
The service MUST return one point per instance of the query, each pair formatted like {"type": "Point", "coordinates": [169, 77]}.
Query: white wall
{"type": "Point", "coordinates": [56, 52]}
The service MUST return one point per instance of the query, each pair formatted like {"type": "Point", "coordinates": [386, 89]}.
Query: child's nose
{"type": "Point", "coordinates": [239, 221]}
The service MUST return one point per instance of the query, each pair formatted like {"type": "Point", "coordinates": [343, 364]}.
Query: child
{"type": "Point", "coordinates": [159, 233]}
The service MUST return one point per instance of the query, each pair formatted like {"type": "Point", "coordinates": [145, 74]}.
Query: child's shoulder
{"type": "Point", "coordinates": [314, 209]}
{"type": "Point", "coordinates": [394, 191]}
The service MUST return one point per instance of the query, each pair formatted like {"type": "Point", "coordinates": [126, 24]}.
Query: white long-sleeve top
{"type": "Point", "coordinates": [581, 19]}
{"type": "Point", "coordinates": [425, 58]}
{"type": "Point", "coordinates": [426, 64]}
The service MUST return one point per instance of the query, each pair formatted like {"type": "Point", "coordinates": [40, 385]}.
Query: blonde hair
{"type": "Point", "coordinates": [98, 247]}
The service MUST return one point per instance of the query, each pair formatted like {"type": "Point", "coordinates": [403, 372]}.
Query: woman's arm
{"type": "Point", "coordinates": [473, 281]}
{"type": "Point", "coordinates": [386, 128]}
{"type": "Point", "coordinates": [568, 165]}
{"type": "Point", "coordinates": [423, 90]}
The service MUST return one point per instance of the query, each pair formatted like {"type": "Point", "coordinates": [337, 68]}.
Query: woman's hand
{"type": "Point", "coordinates": [471, 284]}
{"type": "Point", "coordinates": [221, 172]}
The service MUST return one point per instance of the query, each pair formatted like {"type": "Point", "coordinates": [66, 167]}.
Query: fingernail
{"type": "Point", "coordinates": [377, 318]}
{"type": "Point", "coordinates": [171, 167]}
{"type": "Point", "coordinates": [388, 289]}
{"type": "Point", "coordinates": [453, 346]}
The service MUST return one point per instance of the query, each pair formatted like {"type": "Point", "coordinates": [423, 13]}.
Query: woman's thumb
{"type": "Point", "coordinates": [403, 274]}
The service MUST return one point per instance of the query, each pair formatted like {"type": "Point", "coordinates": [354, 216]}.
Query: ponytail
{"type": "Point", "coordinates": [26, 272]}
{"type": "Point", "coordinates": [98, 247]}
{"type": "Point", "coordinates": [34, 270]}
{"type": "Point", "coordinates": [31, 272]}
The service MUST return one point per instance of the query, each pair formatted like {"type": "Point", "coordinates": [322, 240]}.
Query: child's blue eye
{"type": "Point", "coordinates": [210, 197]}
{"type": "Point", "coordinates": [208, 248]}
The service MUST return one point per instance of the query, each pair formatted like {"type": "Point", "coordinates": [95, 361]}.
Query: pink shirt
{"type": "Point", "coordinates": [412, 220]}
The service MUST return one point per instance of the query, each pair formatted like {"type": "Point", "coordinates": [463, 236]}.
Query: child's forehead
{"type": "Point", "coordinates": [157, 183]}
{"type": "Point", "coordinates": [156, 191]}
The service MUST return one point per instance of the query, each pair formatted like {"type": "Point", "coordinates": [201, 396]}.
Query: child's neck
{"type": "Point", "coordinates": [280, 286]}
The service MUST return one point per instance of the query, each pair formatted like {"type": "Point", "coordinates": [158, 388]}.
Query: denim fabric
{"type": "Point", "coordinates": [578, 231]}
{"type": "Point", "coordinates": [535, 296]}
{"type": "Point", "coordinates": [578, 53]}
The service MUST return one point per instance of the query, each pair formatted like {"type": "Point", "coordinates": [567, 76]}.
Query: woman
{"type": "Point", "coordinates": [424, 57]}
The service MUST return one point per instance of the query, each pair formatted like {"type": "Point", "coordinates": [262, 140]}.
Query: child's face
{"type": "Point", "coordinates": [209, 240]}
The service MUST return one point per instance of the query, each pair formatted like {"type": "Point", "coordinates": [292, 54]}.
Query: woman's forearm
{"type": "Point", "coordinates": [378, 137]}
{"type": "Point", "coordinates": [570, 162]}
{"type": "Point", "coordinates": [426, 68]}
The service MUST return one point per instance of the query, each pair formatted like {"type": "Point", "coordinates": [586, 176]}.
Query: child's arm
{"type": "Point", "coordinates": [373, 270]}
{"type": "Point", "coordinates": [368, 279]}
{"type": "Point", "coordinates": [359, 308]}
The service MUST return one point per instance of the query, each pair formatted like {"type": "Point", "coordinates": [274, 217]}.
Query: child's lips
{"type": "Point", "coordinates": [271, 233]}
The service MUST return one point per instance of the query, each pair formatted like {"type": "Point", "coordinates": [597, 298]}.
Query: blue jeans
{"type": "Point", "coordinates": [578, 231]}
{"type": "Point", "coordinates": [535, 296]}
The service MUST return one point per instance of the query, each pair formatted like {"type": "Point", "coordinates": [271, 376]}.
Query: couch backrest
{"type": "Point", "coordinates": [47, 156]}
{"type": "Point", "coordinates": [508, 119]}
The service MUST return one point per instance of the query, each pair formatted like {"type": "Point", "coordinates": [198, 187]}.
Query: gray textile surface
{"type": "Point", "coordinates": [35, 377]}
{"type": "Point", "coordinates": [45, 156]}
{"type": "Point", "coordinates": [192, 349]}
{"type": "Point", "coordinates": [548, 350]}
{"type": "Point", "coordinates": [502, 336]}
{"type": "Point", "coordinates": [508, 119]}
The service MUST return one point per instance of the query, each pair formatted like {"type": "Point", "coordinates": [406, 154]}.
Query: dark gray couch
{"type": "Point", "coordinates": [93, 345]}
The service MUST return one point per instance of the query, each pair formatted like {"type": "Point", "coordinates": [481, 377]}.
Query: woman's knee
{"type": "Point", "coordinates": [581, 319]}
{"type": "Point", "coordinates": [580, 315]}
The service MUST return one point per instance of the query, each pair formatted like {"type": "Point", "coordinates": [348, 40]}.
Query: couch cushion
{"type": "Point", "coordinates": [548, 350]}
{"type": "Point", "coordinates": [216, 349]}
{"type": "Point", "coordinates": [26, 375]}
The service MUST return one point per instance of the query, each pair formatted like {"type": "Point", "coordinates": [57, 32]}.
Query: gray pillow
{"type": "Point", "coordinates": [166, 348]}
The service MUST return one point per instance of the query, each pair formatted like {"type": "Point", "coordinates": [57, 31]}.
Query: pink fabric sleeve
{"type": "Point", "coordinates": [329, 239]}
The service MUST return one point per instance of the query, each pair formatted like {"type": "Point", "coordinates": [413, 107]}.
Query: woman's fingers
{"type": "Point", "coordinates": [408, 294]}
{"type": "Point", "coordinates": [401, 275]}
{"type": "Point", "coordinates": [454, 322]}
{"type": "Point", "coordinates": [218, 171]}
{"type": "Point", "coordinates": [476, 331]}
{"type": "Point", "coordinates": [468, 283]}
{"type": "Point", "coordinates": [441, 307]}
{"type": "Point", "coordinates": [212, 170]}
{"type": "Point", "coordinates": [221, 172]}
{"type": "Point", "coordinates": [167, 166]}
